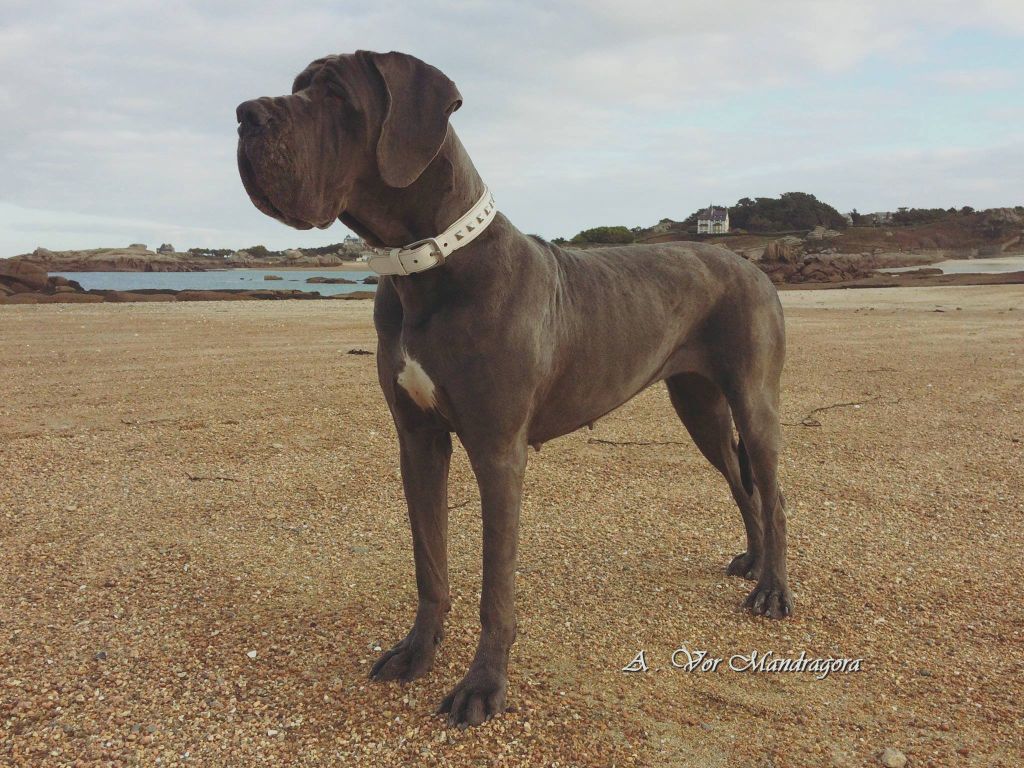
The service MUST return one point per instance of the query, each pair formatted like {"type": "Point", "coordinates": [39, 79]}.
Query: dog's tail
{"type": "Point", "coordinates": [745, 476]}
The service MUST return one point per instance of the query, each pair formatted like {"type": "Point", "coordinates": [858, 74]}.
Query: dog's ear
{"type": "Point", "coordinates": [419, 100]}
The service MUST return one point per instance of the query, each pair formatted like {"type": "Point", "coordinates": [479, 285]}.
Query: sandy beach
{"type": "Point", "coordinates": [205, 545]}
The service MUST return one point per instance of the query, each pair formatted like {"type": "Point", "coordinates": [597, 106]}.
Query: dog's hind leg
{"type": "Point", "coordinates": [707, 417]}
{"type": "Point", "coordinates": [756, 411]}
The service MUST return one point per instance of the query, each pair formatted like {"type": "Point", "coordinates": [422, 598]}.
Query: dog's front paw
{"type": "Point", "coordinates": [745, 565]}
{"type": "Point", "coordinates": [770, 599]}
{"type": "Point", "coordinates": [413, 657]}
{"type": "Point", "coordinates": [480, 696]}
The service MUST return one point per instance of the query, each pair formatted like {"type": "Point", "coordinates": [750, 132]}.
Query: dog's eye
{"type": "Point", "coordinates": [335, 88]}
{"type": "Point", "coordinates": [328, 79]}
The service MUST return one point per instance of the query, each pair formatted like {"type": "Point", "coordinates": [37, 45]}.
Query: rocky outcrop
{"type": "Point", "coordinates": [826, 267]}
{"type": "Point", "coordinates": [209, 296]}
{"type": "Point", "coordinates": [64, 282]}
{"type": "Point", "coordinates": [240, 258]}
{"type": "Point", "coordinates": [52, 298]}
{"type": "Point", "coordinates": [785, 250]}
{"type": "Point", "coordinates": [137, 258]}
{"type": "Point", "coordinates": [327, 260]}
{"type": "Point", "coordinates": [353, 295]}
{"type": "Point", "coordinates": [823, 233]}
{"type": "Point", "coordinates": [71, 298]}
{"type": "Point", "coordinates": [121, 297]}
{"type": "Point", "coordinates": [298, 259]}
{"type": "Point", "coordinates": [131, 259]}
{"type": "Point", "coordinates": [805, 260]}
{"type": "Point", "coordinates": [330, 280]}
{"type": "Point", "coordinates": [22, 273]}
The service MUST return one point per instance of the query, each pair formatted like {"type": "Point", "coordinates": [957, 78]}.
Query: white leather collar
{"type": "Point", "coordinates": [432, 251]}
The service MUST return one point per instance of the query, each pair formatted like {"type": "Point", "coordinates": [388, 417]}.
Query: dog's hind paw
{"type": "Point", "coordinates": [770, 599]}
{"type": "Point", "coordinates": [745, 565]}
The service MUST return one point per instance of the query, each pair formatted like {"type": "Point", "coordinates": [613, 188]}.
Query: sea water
{"type": "Point", "coordinates": [222, 279]}
{"type": "Point", "coordinates": [994, 265]}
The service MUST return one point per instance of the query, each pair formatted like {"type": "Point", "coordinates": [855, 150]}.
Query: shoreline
{"type": "Point", "coordinates": [59, 290]}
{"type": "Point", "coordinates": [919, 279]}
{"type": "Point", "coordinates": [199, 267]}
{"type": "Point", "coordinates": [25, 282]}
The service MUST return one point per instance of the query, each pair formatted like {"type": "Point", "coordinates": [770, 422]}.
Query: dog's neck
{"type": "Point", "coordinates": [387, 217]}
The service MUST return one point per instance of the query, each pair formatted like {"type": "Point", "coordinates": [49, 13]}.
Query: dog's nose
{"type": "Point", "coordinates": [252, 113]}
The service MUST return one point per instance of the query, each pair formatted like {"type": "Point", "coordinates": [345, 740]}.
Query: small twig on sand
{"type": "Point", "coordinates": [197, 478]}
{"type": "Point", "coordinates": [460, 504]}
{"type": "Point", "coordinates": [808, 421]}
{"type": "Point", "coordinates": [633, 442]}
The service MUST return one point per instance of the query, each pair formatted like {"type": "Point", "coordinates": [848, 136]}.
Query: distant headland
{"type": "Point", "coordinates": [138, 257]}
{"type": "Point", "coordinates": [798, 240]}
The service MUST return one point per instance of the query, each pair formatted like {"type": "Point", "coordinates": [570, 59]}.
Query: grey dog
{"type": "Point", "coordinates": [512, 341]}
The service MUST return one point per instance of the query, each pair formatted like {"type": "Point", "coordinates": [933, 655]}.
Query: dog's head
{"type": "Point", "coordinates": [351, 121]}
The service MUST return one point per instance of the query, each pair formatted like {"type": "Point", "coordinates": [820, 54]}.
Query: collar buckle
{"type": "Point", "coordinates": [438, 252]}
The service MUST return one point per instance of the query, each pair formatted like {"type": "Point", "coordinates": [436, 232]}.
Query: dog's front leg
{"type": "Point", "coordinates": [425, 456]}
{"type": "Point", "coordinates": [481, 694]}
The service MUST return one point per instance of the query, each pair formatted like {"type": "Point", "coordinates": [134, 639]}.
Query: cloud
{"type": "Point", "coordinates": [977, 79]}
{"type": "Point", "coordinates": [121, 114]}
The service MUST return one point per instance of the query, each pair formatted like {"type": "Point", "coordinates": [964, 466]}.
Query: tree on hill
{"type": "Point", "coordinates": [907, 215]}
{"type": "Point", "coordinates": [262, 252]}
{"type": "Point", "coordinates": [334, 248]}
{"type": "Point", "coordinates": [792, 210]}
{"type": "Point", "coordinates": [210, 252]}
{"type": "Point", "coordinates": [604, 235]}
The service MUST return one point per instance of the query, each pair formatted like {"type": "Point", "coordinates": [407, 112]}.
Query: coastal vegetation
{"type": "Point", "coordinates": [606, 235]}
{"type": "Point", "coordinates": [757, 220]}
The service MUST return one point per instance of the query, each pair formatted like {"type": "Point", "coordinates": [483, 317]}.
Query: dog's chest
{"type": "Point", "coordinates": [416, 382]}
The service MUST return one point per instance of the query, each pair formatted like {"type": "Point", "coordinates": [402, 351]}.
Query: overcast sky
{"type": "Point", "coordinates": [118, 117]}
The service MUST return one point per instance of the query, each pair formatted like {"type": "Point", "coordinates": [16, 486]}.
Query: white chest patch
{"type": "Point", "coordinates": [414, 380]}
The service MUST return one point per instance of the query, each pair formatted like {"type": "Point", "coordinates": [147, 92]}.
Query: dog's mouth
{"type": "Point", "coordinates": [262, 201]}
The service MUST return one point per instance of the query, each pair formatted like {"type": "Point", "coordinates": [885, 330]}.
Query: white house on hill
{"type": "Point", "coordinates": [713, 220]}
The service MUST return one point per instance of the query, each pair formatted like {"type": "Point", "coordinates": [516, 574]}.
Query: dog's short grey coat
{"type": "Point", "coordinates": [514, 341]}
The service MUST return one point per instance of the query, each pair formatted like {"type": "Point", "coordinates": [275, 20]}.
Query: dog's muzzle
{"type": "Point", "coordinates": [432, 251]}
